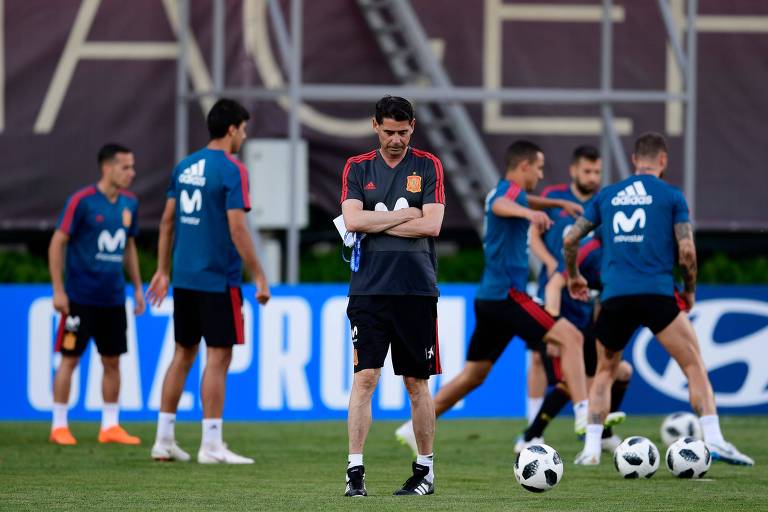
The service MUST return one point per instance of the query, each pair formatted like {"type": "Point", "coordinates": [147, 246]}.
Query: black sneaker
{"type": "Point", "coordinates": [356, 482]}
{"type": "Point", "coordinates": [417, 485]}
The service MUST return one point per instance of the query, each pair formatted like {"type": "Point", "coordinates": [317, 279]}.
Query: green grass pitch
{"type": "Point", "coordinates": [300, 466]}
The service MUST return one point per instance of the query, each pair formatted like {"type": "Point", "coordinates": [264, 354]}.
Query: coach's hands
{"type": "Point", "coordinates": [61, 302]}
{"type": "Point", "coordinates": [577, 287]}
{"type": "Point", "coordinates": [541, 220]}
{"type": "Point", "coordinates": [140, 303]}
{"type": "Point", "coordinates": [158, 288]}
{"type": "Point", "coordinates": [262, 290]}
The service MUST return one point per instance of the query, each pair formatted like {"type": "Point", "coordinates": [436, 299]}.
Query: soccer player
{"type": "Point", "coordinates": [205, 220]}
{"type": "Point", "coordinates": [97, 231]}
{"type": "Point", "coordinates": [645, 225]}
{"type": "Point", "coordinates": [395, 195]}
{"type": "Point", "coordinates": [502, 308]}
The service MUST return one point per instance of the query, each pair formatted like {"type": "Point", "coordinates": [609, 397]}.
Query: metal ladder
{"type": "Point", "coordinates": [448, 127]}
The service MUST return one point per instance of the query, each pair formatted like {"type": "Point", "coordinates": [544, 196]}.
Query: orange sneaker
{"type": "Point", "coordinates": [62, 436]}
{"type": "Point", "coordinates": [116, 434]}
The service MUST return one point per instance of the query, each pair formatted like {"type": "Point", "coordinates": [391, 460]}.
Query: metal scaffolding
{"type": "Point", "coordinates": [440, 91]}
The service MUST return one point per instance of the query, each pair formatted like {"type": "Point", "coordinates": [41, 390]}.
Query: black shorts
{"type": "Point", "coordinates": [216, 316]}
{"type": "Point", "coordinates": [498, 321]}
{"type": "Point", "coordinates": [106, 325]}
{"type": "Point", "coordinates": [407, 322]}
{"type": "Point", "coordinates": [620, 317]}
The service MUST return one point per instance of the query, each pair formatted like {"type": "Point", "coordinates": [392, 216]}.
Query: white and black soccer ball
{"type": "Point", "coordinates": [538, 468]}
{"type": "Point", "coordinates": [680, 424]}
{"type": "Point", "coordinates": [688, 458]}
{"type": "Point", "coordinates": [636, 457]}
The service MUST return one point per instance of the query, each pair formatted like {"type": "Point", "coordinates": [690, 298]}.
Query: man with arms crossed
{"type": "Point", "coordinates": [97, 229]}
{"type": "Point", "coordinates": [205, 220]}
{"type": "Point", "coordinates": [395, 195]}
{"type": "Point", "coordinates": [645, 219]}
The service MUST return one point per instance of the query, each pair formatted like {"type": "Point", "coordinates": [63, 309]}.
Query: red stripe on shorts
{"type": "Point", "coordinates": [237, 313]}
{"type": "Point", "coordinates": [534, 310]}
{"type": "Point", "coordinates": [438, 366]}
{"type": "Point", "coordinates": [60, 333]}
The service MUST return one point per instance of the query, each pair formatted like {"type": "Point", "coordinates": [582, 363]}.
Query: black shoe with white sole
{"type": "Point", "coordinates": [417, 485]}
{"type": "Point", "coordinates": [356, 482]}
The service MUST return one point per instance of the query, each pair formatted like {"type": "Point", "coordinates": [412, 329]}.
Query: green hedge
{"type": "Point", "coordinates": [466, 266]}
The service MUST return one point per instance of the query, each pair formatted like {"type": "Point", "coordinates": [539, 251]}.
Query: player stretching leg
{"type": "Point", "coordinates": [645, 219]}
{"type": "Point", "coordinates": [97, 229]}
{"type": "Point", "coordinates": [502, 308]}
{"type": "Point", "coordinates": [205, 222]}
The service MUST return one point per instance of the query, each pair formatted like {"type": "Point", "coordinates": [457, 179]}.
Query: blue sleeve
{"type": "Point", "coordinates": [592, 211]}
{"type": "Point", "coordinates": [133, 230]}
{"type": "Point", "coordinates": [236, 189]}
{"type": "Point", "coordinates": [71, 216]}
{"type": "Point", "coordinates": [679, 208]}
{"type": "Point", "coordinates": [170, 192]}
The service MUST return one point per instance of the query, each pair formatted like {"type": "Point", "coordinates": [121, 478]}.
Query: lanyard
{"type": "Point", "coordinates": [354, 258]}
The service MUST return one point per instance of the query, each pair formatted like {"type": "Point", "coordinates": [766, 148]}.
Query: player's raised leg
{"type": "Point", "coordinates": [536, 379]}
{"type": "Point", "coordinates": [570, 340]}
{"type": "Point", "coordinates": [679, 339]}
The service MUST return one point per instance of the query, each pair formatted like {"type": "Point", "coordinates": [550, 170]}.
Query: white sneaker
{"type": "Point", "coordinates": [220, 455]}
{"type": "Point", "coordinates": [609, 444]}
{"type": "Point", "coordinates": [726, 452]}
{"type": "Point", "coordinates": [587, 459]}
{"type": "Point", "coordinates": [614, 418]}
{"type": "Point", "coordinates": [521, 444]}
{"type": "Point", "coordinates": [168, 451]}
{"type": "Point", "coordinates": [405, 435]}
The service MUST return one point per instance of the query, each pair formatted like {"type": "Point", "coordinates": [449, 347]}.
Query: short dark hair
{"type": "Point", "coordinates": [109, 150]}
{"type": "Point", "coordinates": [223, 114]}
{"type": "Point", "coordinates": [650, 144]}
{"type": "Point", "coordinates": [393, 107]}
{"type": "Point", "coordinates": [521, 151]}
{"type": "Point", "coordinates": [586, 152]}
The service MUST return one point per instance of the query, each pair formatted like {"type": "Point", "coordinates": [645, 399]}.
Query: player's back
{"type": "Point", "coordinates": [205, 185]}
{"type": "Point", "coordinates": [639, 214]}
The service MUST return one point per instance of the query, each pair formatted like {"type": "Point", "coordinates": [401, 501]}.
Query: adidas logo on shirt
{"type": "Point", "coordinates": [632, 195]}
{"type": "Point", "coordinates": [194, 175]}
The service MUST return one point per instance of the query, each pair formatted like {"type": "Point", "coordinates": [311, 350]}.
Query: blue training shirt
{"type": "Point", "coordinates": [639, 245]}
{"type": "Point", "coordinates": [205, 185]}
{"type": "Point", "coordinates": [505, 245]}
{"type": "Point", "coordinates": [98, 231]}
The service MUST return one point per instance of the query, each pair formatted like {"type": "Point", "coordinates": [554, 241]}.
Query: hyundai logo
{"type": "Point", "coordinates": [749, 349]}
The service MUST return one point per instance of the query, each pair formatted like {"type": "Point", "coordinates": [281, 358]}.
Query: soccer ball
{"type": "Point", "coordinates": [538, 468]}
{"type": "Point", "coordinates": [636, 457]}
{"type": "Point", "coordinates": [680, 424]}
{"type": "Point", "coordinates": [688, 458]}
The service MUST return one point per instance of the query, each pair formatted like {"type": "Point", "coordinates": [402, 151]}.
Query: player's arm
{"type": "Point", "coordinates": [544, 203]}
{"type": "Point", "coordinates": [553, 293]}
{"type": "Point", "coordinates": [158, 287]}
{"type": "Point", "coordinates": [131, 262]}
{"type": "Point", "coordinates": [577, 285]}
{"type": "Point", "coordinates": [428, 224]}
{"type": "Point", "coordinates": [358, 220]}
{"type": "Point", "coordinates": [56, 256]}
{"type": "Point", "coordinates": [686, 248]}
{"type": "Point", "coordinates": [505, 207]}
{"type": "Point", "coordinates": [539, 249]}
{"type": "Point", "coordinates": [241, 238]}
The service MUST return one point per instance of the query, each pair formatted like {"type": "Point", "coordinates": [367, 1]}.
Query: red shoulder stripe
{"type": "Point", "coordinates": [243, 180]}
{"type": "Point", "coordinates": [513, 191]}
{"type": "Point", "coordinates": [69, 214]}
{"type": "Point", "coordinates": [128, 194]}
{"type": "Point", "coordinates": [560, 187]}
{"type": "Point", "coordinates": [440, 179]}
{"type": "Point", "coordinates": [353, 160]}
{"type": "Point", "coordinates": [587, 249]}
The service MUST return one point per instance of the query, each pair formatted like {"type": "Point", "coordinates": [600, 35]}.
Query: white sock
{"type": "Point", "coordinates": [427, 460]}
{"type": "Point", "coordinates": [581, 407]}
{"type": "Point", "coordinates": [532, 407]}
{"type": "Point", "coordinates": [354, 459]}
{"type": "Point", "coordinates": [710, 426]}
{"type": "Point", "coordinates": [166, 423]}
{"type": "Point", "coordinates": [212, 432]}
{"type": "Point", "coordinates": [109, 415]}
{"type": "Point", "coordinates": [592, 443]}
{"type": "Point", "coordinates": [59, 415]}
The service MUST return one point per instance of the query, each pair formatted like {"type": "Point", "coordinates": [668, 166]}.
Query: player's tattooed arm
{"type": "Point", "coordinates": [687, 255]}
{"type": "Point", "coordinates": [571, 243]}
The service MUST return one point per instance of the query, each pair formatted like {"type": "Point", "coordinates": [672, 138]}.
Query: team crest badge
{"type": "Point", "coordinates": [413, 183]}
{"type": "Point", "coordinates": [127, 217]}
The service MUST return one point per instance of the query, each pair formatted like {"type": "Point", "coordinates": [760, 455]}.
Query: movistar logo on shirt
{"type": "Point", "coordinates": [190, 204]}
{"type": "Point", "coordinates": [109, 244]}
{"type": "Point", "coordinates": [632, 195]}
{"type": "Point", "coordinates": [194, 175]}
